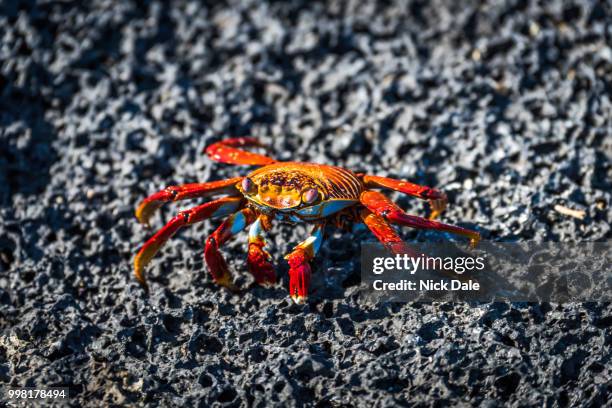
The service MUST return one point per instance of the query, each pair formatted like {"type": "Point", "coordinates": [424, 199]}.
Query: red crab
{"type": "Point", "coordinates": [291, 192]}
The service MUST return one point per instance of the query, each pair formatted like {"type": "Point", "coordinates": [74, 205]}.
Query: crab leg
{"type": "Point", "coordinates": [217, 208]}
{"type": "Point", "coordinates": [391, 240]}
{"type": "Point", "coordinates": [231, 226]}
{"type": "Point", "coordinates": [384, 232]}
{"type": "Point", "coordinates": [387, 209]}
{"type": "Point", "coordinates": [299, 267]}
{"type": "Point", "coordinates": [437, 199]}
{"type": "Point", "coordinates": [175, 193]}
{"type": "Point", "coordinates": [226, 151]}
{"type": "Point", "coordinates": [258, 260]}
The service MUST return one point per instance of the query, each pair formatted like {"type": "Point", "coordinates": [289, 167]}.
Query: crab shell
{"type": "Point", "coordinates": [301, 192]}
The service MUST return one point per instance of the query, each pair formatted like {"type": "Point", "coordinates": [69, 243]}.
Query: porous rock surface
{"type": "Point", "coordinates": [504, 105]}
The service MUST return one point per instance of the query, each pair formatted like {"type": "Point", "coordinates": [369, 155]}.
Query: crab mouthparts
{"type": "Point", "coordinates": [281, 201]}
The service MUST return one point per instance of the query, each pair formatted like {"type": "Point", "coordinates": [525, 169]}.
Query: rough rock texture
{"type": "Point", "coordinates": [506, 106]}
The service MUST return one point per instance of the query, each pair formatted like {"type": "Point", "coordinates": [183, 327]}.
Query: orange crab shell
{"type": "Point", "coordinates": [280, 189]}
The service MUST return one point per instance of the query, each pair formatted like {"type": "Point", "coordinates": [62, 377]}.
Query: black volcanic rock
{"type": "Point", "coordinates": [505, 106]}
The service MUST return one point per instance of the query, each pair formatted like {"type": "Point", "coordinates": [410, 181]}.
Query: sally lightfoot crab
{"type": "Point", "coordinates": [291, 192]}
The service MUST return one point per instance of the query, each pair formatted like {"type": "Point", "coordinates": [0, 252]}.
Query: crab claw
{"type": "Point", "coordinates": [217, 265]}
{"type": "Point", "coordinates": [258, 260]}
{"type": "Point", "coordinates": [299, 276]}
{"type": "Point", "coordinates": [259, 264]}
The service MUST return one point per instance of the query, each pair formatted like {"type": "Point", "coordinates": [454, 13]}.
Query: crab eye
{"type": "Point", "coordinates": [310, 196]}
{"type": "Point", "coordinates": [247, 185]}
